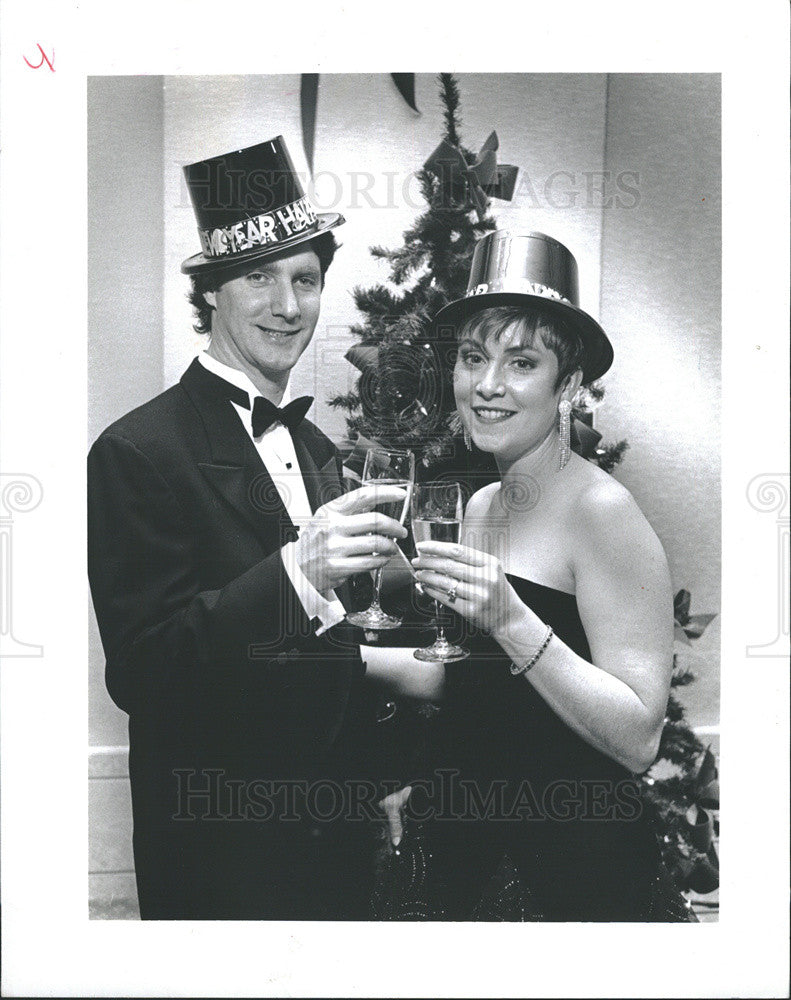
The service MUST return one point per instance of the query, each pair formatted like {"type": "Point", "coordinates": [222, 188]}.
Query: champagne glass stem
{"type": "Point", "coordinates": [440, 628]}
{"type": "Point", "coordinates": [377, 584]}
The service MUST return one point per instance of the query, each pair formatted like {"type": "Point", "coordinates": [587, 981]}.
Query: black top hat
{"type": "Point", "coordinates": [512, 269]}
{"type": "Point", "coordinates": [249, 203]}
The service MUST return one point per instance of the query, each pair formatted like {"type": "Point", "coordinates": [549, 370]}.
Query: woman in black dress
{"type": "Point", "coordinates": [565, 593]}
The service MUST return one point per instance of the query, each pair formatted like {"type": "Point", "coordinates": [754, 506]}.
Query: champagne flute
{"type": "Point", "coordinates": [385, 467]}
{"type": "Point", "coordinates": [436, 517]}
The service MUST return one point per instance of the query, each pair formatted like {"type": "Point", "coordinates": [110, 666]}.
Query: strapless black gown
{"type": "Point", "coordinates": [521, 819]}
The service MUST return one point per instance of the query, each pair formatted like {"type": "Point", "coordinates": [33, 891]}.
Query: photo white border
{"type": "Point", "coordinates": [49, 945]}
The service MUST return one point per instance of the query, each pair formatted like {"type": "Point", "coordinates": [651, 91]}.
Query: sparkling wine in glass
{"type": "Point", "coordinates": [385, 467]}
{"type": "Point", "coordinates": [436, 517]}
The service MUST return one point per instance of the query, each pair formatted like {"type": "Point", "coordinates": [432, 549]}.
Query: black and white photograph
{"type": "Point", "coordinates": [272, 712]}
{"type": "Point", "coordinates": [397, 572]}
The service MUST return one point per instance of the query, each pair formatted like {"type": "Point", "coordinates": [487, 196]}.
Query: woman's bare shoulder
{"type": "Point", "coordinates": [480, 501]}
{"type": "Point", "coordinates": [606, 513]}
{"type": "Point", "coordinates": [597, 490]}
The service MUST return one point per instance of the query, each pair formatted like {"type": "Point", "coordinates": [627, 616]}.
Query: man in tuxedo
{"type": "Point", "coordinates": [220, 544]}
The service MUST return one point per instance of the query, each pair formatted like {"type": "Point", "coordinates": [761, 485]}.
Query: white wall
{"type": "Point", "coordinates": [661, 290]}
{"type": "Point", "coordinates": [125, 241]}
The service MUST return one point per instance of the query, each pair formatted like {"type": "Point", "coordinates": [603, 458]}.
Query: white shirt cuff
{"type": "Point", "coordinates": [329, 612]}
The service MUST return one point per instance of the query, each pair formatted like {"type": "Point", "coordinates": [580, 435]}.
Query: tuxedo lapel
{"type": "Point", "coordinates": [235, 470]}
{"type": "Point", "coordinates": [322, 483]}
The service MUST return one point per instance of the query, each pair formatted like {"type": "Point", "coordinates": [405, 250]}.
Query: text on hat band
{"type": "Point", "coordinates": [520, 285]}
{"type": "Point", "coordinates": [259, 230]}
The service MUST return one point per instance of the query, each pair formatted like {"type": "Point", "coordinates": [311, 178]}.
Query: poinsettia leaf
{"type": "Point", "coordinates": [697, 625]}
{"type": "Point", "coordinates": [681, 606]}
{"type": "Point", "coordinates": [680, 635]}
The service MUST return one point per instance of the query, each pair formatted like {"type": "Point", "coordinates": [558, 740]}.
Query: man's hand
{"type": "Point", "coordinates": [393, 806]}
{"type": "Point", "coordinates": [347, 536]}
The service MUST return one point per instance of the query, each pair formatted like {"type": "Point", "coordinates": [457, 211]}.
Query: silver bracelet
{"type": "Point", "coordinates": [515, 670]}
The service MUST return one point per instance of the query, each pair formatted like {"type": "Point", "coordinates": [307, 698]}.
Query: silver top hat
{"type": "Point", "coordinates": [517, 268]}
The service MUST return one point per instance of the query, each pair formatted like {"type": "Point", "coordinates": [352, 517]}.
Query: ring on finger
{"type": "Point", "coordinates": [452, 594]}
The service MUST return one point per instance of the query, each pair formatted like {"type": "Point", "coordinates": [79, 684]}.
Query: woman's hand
{"type": "Point", "coordinates": [470, 582]}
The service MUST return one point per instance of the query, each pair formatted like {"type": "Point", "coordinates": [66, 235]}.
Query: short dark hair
{"type": "Point", "coordinates": [324, 246]}
{"type": "Point", "coordinates": [557, 335]}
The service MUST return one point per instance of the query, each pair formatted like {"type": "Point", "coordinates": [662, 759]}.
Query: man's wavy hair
{"type": "Point", "coordinates": [323, 246]}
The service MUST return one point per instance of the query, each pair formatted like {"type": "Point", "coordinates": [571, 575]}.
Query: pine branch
{"type": "Point", "coordinates": [679, 745]}
{"type": "Point", "coordinates": [429, 188]}
{"type": "Point", "coordinates": [449, 95]}
{"type": "Point", "coordinates": [377, 302]}
{"type": "Point", "coordinates": [596, 392]}
{"type": "Point", "coordinates": [611, 455]}
{"type": "Point", "coordinates": [355, 425]}
{"type": "Point", "coordinates": [406, 262]}
{"type": "Point", "coordinates": [347, 401]}
{"type": "Point", "coordinates": [674, 711]}
{"type": "Point", "coordinates": [381, 253]}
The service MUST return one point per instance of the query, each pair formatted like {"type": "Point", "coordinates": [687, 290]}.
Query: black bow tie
{"type": "Point", "coordinates": [265, 413]}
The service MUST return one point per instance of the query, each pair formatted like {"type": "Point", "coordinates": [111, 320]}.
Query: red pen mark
{"type": "Point", "coordinates": [43, 60]}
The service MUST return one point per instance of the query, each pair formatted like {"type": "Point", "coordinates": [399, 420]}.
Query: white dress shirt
{"type": "Point", "coordinates": [277, 452]}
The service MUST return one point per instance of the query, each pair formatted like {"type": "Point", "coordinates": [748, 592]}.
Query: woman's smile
{"type": "Point", "coordinates": [491, 414]}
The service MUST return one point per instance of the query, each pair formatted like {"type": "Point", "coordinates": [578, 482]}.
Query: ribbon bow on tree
{"type": "Point", "coordinates": [475, 181]}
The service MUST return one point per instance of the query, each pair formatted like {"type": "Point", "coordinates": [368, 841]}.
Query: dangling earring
{"type": "Point", "coordinates": [467, 440]}
{"type": "Point", "coordinates": [564, 409]}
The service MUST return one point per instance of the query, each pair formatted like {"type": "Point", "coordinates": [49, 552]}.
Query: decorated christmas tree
{"type": "Point", "coordinates": [404, 398]}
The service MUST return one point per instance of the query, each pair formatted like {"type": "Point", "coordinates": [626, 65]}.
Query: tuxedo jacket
{"type": "Point", "coordinates": [236, 708]}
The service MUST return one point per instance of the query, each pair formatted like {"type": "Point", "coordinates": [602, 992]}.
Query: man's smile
{"type": "Point", "coordinates": [277, 334]}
